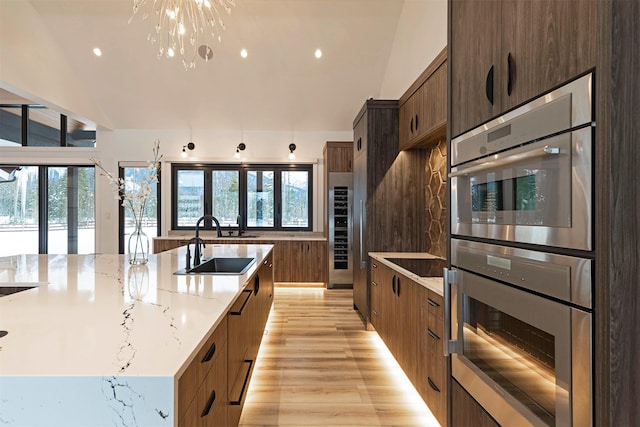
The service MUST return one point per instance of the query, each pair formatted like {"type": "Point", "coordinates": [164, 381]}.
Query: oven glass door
{"type": "Point", "coordinates": [537, 193]}
{"type": "Point", "coordinates": [532, 191]}
{"type": "Point", "coordinates": [520, 344]}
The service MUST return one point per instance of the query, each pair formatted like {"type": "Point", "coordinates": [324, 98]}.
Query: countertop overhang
{"type": "Point", "coordinates": [432, 283]}
{"type": "Point", "coordinates": [104, 342]}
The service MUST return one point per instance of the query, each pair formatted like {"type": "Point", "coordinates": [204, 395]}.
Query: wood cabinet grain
{"type": "Point", "coordinates": [338, 156]}
{"type": "Point", "coordinates": [389, 202]}
{"type": "Point", "coordinates": [504, 53]}
{"type": "Point", "coordinates": [191, 384]}
{"type": "Point", "coordinates": [209, 408]}
{"type": "Point", "coordinates": [466, 411]}
{"type": "Point", "coordinates": [294, 260]}
{"type": "Point", "coordinates": [408, 318]}
{"type": "Point", "coordinates": [423, 107]}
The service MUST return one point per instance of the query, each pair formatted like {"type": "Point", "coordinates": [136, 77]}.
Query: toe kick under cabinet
{"type": "Point", "coordinates": [409, 319]}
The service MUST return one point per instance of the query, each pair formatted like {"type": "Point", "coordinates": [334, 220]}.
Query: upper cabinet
{"type": "Point", "coordinates": [423, 107]}
{"type": "Point", "coordinates": [338, 156]}
{"type": "Point", "coordinates": [503, 53]}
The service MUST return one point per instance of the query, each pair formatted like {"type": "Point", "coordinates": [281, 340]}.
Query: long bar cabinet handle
{"type": "Point", "coordinates": [449, 345]}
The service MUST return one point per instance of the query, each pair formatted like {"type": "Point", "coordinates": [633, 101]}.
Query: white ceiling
{"type": "Point", "coordinates": [279, 86]}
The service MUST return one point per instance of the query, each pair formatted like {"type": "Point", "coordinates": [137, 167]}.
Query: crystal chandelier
{"type": "Point", "coordinates": [183, 27]}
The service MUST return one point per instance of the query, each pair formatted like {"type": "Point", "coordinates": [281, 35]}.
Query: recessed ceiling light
{"type": "Point", "coordinates": [318, 53]}
{"type": "Point", "coordinates": [97, 51]}
{"type": "Point", "coordinates": [243, 53]}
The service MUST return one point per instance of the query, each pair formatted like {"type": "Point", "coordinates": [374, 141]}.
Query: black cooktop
{"type": "Point", "coordinates": [423, 267]}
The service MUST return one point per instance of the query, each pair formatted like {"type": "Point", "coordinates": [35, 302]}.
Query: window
{"type": "Point", "coordinates": [38, 126]}
{"type": "Point", "coordinates": [151, 215]}
{"type": "Point", "coordinates": [260, 197]}
{"type": "Point", "coordinates": [47, 209]}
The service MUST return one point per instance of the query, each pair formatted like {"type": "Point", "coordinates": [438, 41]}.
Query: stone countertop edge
{"type": "Point", "coordinates": [432, 283]}
{"type": "Point", "coordinates": [260, 236]}
{"type": "Point", "coordinates": [100, 344]}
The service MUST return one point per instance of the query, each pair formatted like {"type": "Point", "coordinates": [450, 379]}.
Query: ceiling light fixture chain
{"type": "Point", "coordinates": [183, 27]}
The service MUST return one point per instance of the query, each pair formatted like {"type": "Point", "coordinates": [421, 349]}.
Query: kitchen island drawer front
{"type": "Point", "coordinates": [211, 405]}
{"type": "Point", "coordinates": [204, 360]}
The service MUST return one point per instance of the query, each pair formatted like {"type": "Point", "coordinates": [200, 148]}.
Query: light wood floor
{"type": "Point", "coordinates": [318, 366]}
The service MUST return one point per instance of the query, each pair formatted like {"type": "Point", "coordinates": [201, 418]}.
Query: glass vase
{"type": "Point", "coordinates": [138, 246]}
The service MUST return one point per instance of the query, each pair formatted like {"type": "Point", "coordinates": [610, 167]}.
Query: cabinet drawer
{"type": "Point", "coordinates": [199, 367]}
{"type": "Point", "coordinates": [210, 406]}
{"type": "Point", "coordinates": [435, 303]}
{"type": "Point", "coordinates": [436, 388]}
{"type": "Point", "coordinates": [435, 333]}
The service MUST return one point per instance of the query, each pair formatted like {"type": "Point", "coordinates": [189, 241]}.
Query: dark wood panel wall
{"type": "Point", "coordinates": [617, 287]}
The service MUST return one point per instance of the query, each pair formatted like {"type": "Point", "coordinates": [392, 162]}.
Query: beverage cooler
{"type": "Point", "coordinates": [340, 230]}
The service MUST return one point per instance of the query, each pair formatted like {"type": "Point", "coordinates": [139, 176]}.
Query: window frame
{"type": "Point", "coordinates": [242, 169]}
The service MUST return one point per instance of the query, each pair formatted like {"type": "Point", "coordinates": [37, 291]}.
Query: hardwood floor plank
{"type": "Point", "coordinates": [318, 366]}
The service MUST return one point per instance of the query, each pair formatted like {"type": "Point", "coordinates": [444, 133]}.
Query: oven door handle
{"type": "Point", "coordinates": [449, 345]}
{"type": "Point", "coordinates": [513, 158]}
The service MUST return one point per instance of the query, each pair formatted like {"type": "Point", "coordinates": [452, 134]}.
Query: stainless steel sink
{"type": "Point", "coordinates": [220, 266]}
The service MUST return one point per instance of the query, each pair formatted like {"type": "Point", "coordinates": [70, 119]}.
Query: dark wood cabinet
{"type": "Point", "coordinates": [466, 411]}
{"type": "Point", "coordinates": [423, 107]}
{"type": "Point", "coordinates": [389, 202]}
{"type": "Point", "coordinates": [433, 380]}
{"type": "Point", "coordinates": [503, 53]}
{"type": "Point", "coordinates": [300, 261]}
{"type": "Point", "coordinates": [408, 318]}
{"type": "Point", "coordinates": [338, 156]}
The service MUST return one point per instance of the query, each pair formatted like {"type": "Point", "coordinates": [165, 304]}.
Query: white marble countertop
{"type": "Point", "coordinates": [259, 235]}
{"type": "Point", "coordinates": [96, 322]}
{"type": "Point", "coordinates": [432, 283]}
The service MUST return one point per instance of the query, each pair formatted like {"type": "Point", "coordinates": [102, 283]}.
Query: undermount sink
{"type": "Point", "coordinates": [220, 266]}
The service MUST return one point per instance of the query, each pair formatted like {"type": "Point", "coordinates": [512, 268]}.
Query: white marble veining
{"type": "Point", "coordinates": [103, 342]}
{"type": "Point", "coordinates": [432, 283]}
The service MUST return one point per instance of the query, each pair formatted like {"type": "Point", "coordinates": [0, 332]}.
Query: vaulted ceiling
{"type": "Point", "coordinates": [281, 85]}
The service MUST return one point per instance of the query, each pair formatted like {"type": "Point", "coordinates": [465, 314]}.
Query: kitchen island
{"type": "Point", "coordinates": [95, 341]}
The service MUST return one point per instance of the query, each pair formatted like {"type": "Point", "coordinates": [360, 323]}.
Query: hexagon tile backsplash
{"type": "Point", "coordinates": [436, 200]}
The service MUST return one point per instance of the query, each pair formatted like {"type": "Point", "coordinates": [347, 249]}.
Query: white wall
{"type": "Point", "coordinates": [33, 66]}
{"type": "Point", "coordinates": [420, 35]}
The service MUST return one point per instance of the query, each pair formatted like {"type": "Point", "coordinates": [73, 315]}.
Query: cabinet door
{"type": "Point", "coordinates": [475, 51]}
{"type": "Point", "coordinates": [360, 277]}
{"type": "Point", "coordinates": [411, 118]}
{"type": "Point", "coordinates": [282, 261]}
{"type": "Point", "coordinates": [547, 43]}
{"type": "Point", "coordinates": [434, 101]}
{"type": "Point", "coordinates": [339, 157]}
{"type": "Point", "coordinates": [406, 317]}
{"type": "Point", "coordinates": [315, 261]}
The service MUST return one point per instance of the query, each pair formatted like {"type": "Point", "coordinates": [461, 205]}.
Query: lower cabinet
{"type": "Point", "coordinates": [466, 411]}
{"type": "Point", "coordinates": [301, 261]}
{"type": "Point", "coordinates": [247, 318]}
{"type": "Point", "coordinates": [202, 388]}
{"type": "Point", "coordinates": [295, 260]}
{"type": "Point", "coordinates": [432, 376]}
{"type": "Point", "coordinates": [409, 319]}
{"type": "Point", "coordinates": [210, 405]}
{"type": "Point", "coordinates": [213, 388]}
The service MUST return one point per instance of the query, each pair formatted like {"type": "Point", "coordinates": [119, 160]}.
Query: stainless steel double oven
{"type": "Point", "coordinates": [518, 296]}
